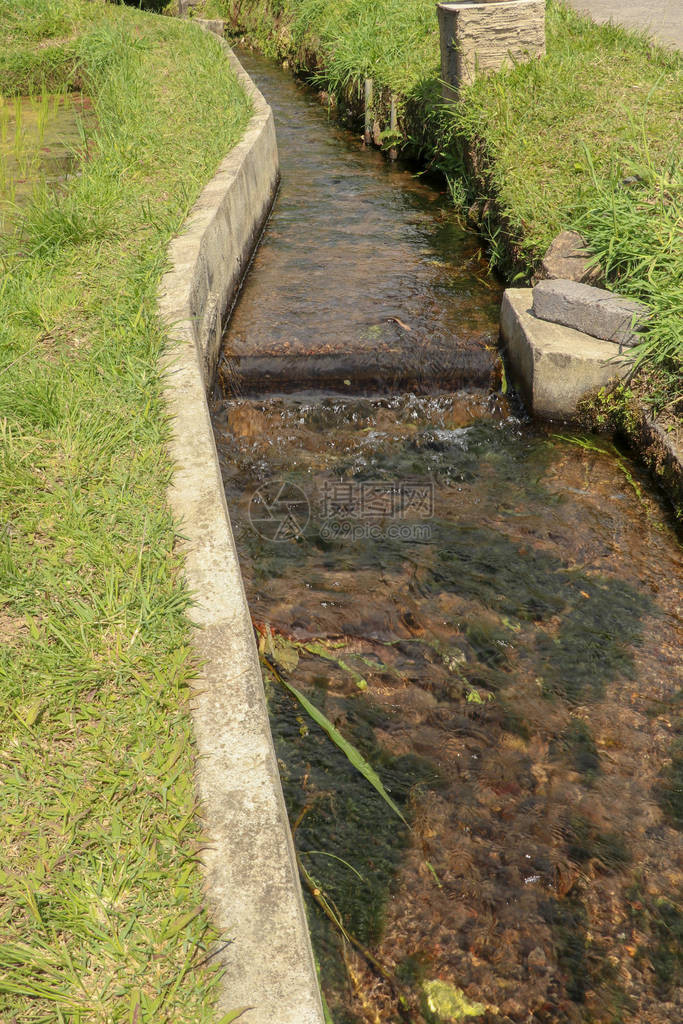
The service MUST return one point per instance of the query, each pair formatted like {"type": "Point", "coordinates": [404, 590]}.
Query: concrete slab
{"type": "Point", "coordinates": [594, 311]}
{"type": "Point", "coordinates": [252, 879]}
{"type": "Point", "coordinates": [215, 25]}
{"type": "Point", "coordinates": [553, 366]}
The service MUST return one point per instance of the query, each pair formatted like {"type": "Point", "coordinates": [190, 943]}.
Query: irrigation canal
{"type": "Point", "coordinates": [487, 610]}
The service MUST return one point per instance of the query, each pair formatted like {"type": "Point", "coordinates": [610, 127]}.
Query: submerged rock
{"type": "Point", "coordinates": [537, 960]}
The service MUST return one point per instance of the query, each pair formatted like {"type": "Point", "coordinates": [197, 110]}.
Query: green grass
{"type": "Point", "coordinates": [40, 20]}
{"type": "Point", "coordinates": [394, 41]}
{"type": "Point", "coordinates": [553, 139]}
{"type": "Point", "coordinates": [100, 892]}
{"type": "Point", "coordinates": [636, 231]}
{"type": "Point", "coordinates": [38, 43]}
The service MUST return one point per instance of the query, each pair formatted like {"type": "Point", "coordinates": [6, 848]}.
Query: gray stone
{"type": "Point", "coordinates": [215, 25]}
{"type": "Point", "coordinates": [553, 366]}
{"type": "Point", "coordinates": [568, 258]}
{"type": "Point", "coordinates": [594, 311]}
{"type": "Point", "coordinates": [478, 38]}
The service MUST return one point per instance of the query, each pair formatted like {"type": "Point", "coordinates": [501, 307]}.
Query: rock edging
{"type": "Point", "coordinates": [250, 866]}
{"type": "Point", "coordinates": [553, 366]}
{"type": "Point", "coordinates": [564, 343]}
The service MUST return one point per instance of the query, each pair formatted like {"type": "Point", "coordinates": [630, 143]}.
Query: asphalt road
{"type": "Point", "coordinates": [663, 19]}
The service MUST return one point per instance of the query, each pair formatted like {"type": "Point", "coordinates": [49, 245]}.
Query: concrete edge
{"type": "Point", "coordinates": [553, 386]}
{"type": "Point", "coordinates": [251, 876]}
{"type": "Point", "coordinates": [657, 443]}
{"type": "Point", "coordinates": [553, 366]}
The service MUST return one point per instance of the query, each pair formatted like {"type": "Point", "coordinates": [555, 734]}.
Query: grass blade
{"type": "Point", "coordinates": [354, 755]}
{"type": "Point", "coordinates": [233, 1015]}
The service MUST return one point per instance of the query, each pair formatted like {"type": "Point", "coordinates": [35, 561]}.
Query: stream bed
{"type": "Point", "coordinates": [487, 610]}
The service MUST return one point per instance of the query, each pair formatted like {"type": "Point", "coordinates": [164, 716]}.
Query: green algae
{"type": "Point", "coordinates": [670, 790]}
{"type": "Point", "coordinates": [338, 816]}
{"type": "Point", "coordinates": [588, 843]}
{"type": "Point", "coordinates": [568, 920]}
{"type": "Point", "coordinates": [444, 1003]}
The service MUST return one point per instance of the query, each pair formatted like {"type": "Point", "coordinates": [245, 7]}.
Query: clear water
{"type": "Point", "coordinates": [490, 612]}
{"type": "Point", "coordinates": [365, 277]}
{"type": "Point", "coordinates": [42, 138]}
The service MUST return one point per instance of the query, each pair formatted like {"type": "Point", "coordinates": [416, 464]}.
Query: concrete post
{"type": "Point", "coordinates": [393, 126]}
{"type": "Point", "coordinates": [368, 106]}
{"type": "Point", "coordinates": [477, 38]}
{"type": "Point", "coordinates": [185, 5]}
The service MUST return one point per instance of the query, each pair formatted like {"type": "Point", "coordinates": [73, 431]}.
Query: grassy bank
{"type": "Point", "coordinates": [547, 144]}
{"type": "Point", "coordinates": [100, 895]}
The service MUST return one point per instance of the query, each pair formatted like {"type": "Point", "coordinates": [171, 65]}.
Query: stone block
{"type": "Point", "coordinates": [553, 366]}
{"type": "Point", "coordinates": [215, 25]}
{"type": "Point", "coordinates": [594, 311]}
{"type": "Point", "coordinates": [568, 258]}
{"type": "Point", "coordinates": [478, 38]}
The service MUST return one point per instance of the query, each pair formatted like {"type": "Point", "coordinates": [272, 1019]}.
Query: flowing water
{"type": "Point", "coordinates": [366, 278]}
{"type": "Point", "coordinates": [487, 610]}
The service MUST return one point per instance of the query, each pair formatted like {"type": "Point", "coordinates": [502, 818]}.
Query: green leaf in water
{"type": "Point", "coordinates": [324, 853]}
{"type": "Point", "coordinates": [475, 697]}
{"type": "Point", "coordinates": [503, 379]}
{"type": "Point", "coordinates": [354, 755]}
{"type": "Point", "coordinates": [322, 652]}
{"type": "Point", "coordinates": [434, 874]}
{"type": "Point", "coordinates": [360, 682]}
{"type": "Point", "coordinates": [326, 1010]}
{"type": "Point", "coordinates": [283, 651]}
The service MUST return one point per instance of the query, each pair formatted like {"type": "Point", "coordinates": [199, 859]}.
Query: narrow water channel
{"type": "Point", "coordinates": [365, 276]}
{"type": "Point", "coordinates": [487, 610]}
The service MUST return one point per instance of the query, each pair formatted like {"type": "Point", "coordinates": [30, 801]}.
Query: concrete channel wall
{"type": "Point", "coordinates": [252, 881]}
